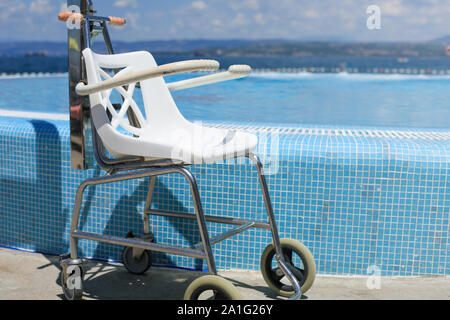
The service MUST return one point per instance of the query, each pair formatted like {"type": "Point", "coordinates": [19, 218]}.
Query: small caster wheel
{"type": "Point", "coordinates": [136, 261]}
{"type": "Point", "coordinates": [301, 264]}
{"type": "Point", "coordinates": [72, 282]}
{"type": "Point", "coordinates": [137, 265]}
{"type": "Point", "coordinates": [212, 288]}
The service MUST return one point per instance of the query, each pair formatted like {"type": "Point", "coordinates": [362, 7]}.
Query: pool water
{"type": "Point", "coordinates": [302, 98]}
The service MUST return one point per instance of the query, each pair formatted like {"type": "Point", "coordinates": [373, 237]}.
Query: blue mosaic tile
{"type": "Point", "coordinates": [357, 197]}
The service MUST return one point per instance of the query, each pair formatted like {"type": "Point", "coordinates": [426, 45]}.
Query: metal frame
{"type": "Point", "coordinates": [137, 168]}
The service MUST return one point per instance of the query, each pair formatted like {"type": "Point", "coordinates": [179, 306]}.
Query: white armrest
{"type": "Point", "coordinates": [164, 70]}
{"type": "Point", "coordinates": [234, 72]}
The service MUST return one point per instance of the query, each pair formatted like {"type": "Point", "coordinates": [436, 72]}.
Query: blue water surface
{"type": "Point", "coordinates": [302, 98]}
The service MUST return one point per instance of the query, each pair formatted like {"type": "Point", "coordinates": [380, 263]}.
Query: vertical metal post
{"type": "Point", "coordinates": [281, 261]}
{"type": "Point", "coordinates": [79, 106]}
{"type": "Point", "coordinates": [206, 243]}
{"type": "Point", "coordinates": [148, 204]}
{"type": "Point", "coordinates": [107, 38]}
{"type": "Point", "coordinates": [268, 204]}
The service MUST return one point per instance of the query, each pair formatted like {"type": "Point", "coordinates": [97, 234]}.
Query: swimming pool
{"type": "Point", "coordinates": [302, 98]}
{"type": "Point", "coordinates": [361, 197]}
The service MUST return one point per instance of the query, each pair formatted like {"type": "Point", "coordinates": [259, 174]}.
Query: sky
{"type": "Point", "coordinates": [343, 20]}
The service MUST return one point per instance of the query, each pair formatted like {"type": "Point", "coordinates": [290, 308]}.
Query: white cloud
{"type": "Point", "coordinates": [126, 3]}
{"type": "Point", "coordinates": [217, 23]}
{"type": "Point", "coordinates": [245, 4]}
{"type": "Point", "coordinates": [311, 13]}
{"type": "Point", "coordinates": [239, 20]}
{"type": "Point", "coordinates": [260, 19]}
{"type": "Point", "coordinates": [8, 9]}
{"type": "Point", "coordinates": [393, 8]}
{"type": "Point", "coordinates": [41, 7]}
{"type": "Point", "coordinates": [132, 20]}
{"type": "Point", "coordinates": [200, 5]}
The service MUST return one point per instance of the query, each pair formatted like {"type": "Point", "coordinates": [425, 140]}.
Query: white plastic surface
{"type": "Point", "coordinates": [234, 72]}
{"type": "Point", "coordinates": [152, 72]}
{"type": "Point", "coordinates": [164, 133]}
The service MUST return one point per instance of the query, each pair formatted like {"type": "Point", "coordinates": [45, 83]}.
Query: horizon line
{"type": "Point", "coordinates": [248, 40]}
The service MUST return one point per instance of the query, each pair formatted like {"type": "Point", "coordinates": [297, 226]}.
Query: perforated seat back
{"type": "Point", "coordinates": [159, 111]}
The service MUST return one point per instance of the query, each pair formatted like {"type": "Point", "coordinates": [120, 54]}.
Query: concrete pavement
{"type": "Point", "coordinates": [29, 276]}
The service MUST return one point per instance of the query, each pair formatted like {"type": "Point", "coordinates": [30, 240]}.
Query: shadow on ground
{"type": "Point", "coordinates": [106, 281]}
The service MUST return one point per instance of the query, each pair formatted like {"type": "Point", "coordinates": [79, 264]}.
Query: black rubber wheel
{"type": "Point", "coordinates": [72, 282]}
{"type": "Point", "coordinates": [212, 288]}
{"type": "Point", "coordinates": [302, 265]}
{"type": "Point", "coordinates": [137, 266]}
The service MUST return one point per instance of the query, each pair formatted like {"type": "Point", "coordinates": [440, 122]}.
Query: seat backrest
{"type": "Point", "coordinates": [160, 110]}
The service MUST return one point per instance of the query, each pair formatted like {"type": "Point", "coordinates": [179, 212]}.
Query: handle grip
{"type": "Point", "coordinates": [113, 21]}
{"type": "Point", "coordinates": [64, 16]}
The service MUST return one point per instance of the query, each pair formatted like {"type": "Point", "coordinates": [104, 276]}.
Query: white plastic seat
{"type": "Point", "coordinates": [163, 132]}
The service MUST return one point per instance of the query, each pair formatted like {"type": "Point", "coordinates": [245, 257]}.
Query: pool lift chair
{"type": "Point", "coordinates": [129, 144]}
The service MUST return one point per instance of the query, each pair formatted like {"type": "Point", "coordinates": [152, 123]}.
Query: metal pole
{"type": "Point", "coordinates": [79, 106]}
{"type": "Point", "coordinates": [281, 261]}
{"type": "Point", "coordinates": [268, 203]}
{"type": "Point", "coordinates": [148, 205]}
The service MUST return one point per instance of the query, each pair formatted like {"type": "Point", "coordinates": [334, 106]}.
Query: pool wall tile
{"type": "Point", "coordinates": [356, 201]}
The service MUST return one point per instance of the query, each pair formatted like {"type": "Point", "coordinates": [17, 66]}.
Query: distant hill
{"type": "Point", "coordinates": [168, 46]}
{"type": "Point", "coordinates": [11, 49]}
{"type": "Point", "coordinates": [443, 40]}
{"type": "Point", "coordinates": [336, 49]}
{"type": "Point", "coordinates": [242, 48]}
